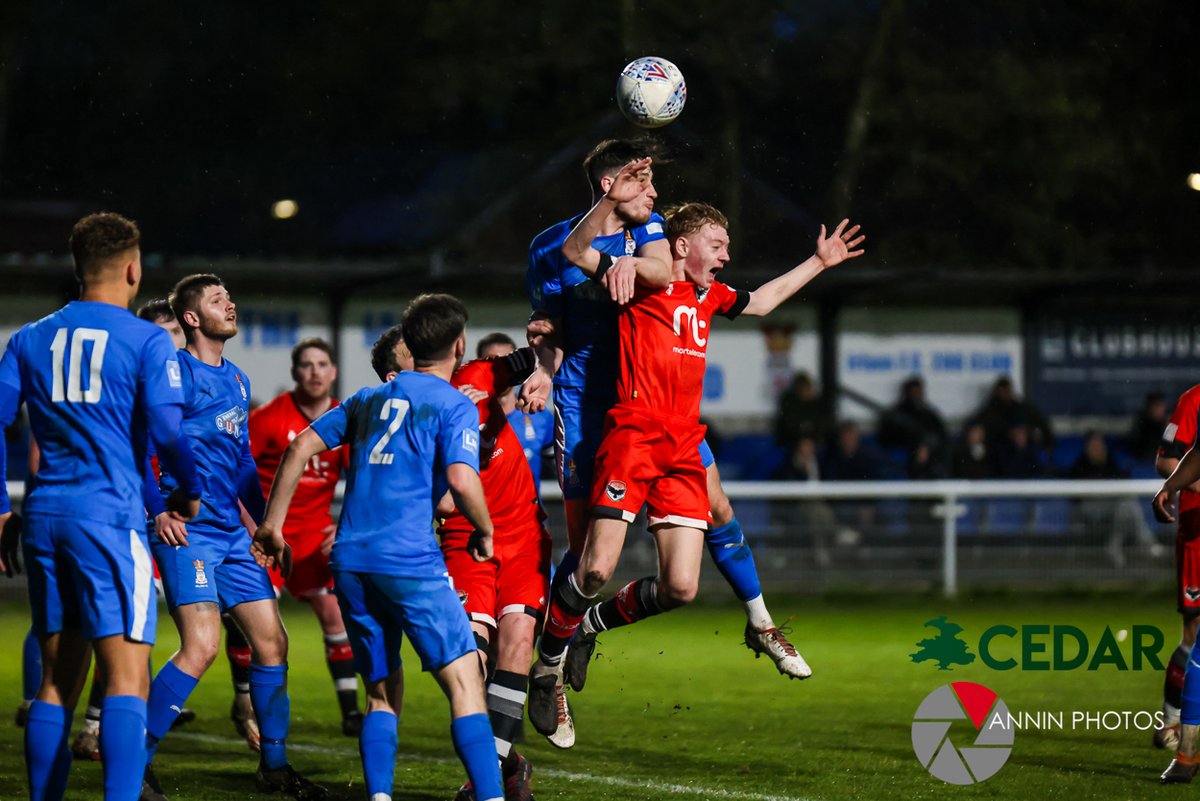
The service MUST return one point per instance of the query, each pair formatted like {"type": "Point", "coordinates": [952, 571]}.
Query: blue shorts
{"type": "Point", "coordinates": [215, 566]}
{"type": "Point", "coordinates": [578, 429]}
{"type": "Point", "coordinates": [89, 576]}
{"type": "Point", "coordinates": [379, 610]}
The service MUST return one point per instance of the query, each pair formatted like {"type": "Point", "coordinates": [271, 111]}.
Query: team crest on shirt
{"type": "Point", "coordinates": [231, 422]}
{"type": "Point", "coordinates": [241, 386]}
{"type": "Point", "coordinates": [201, 577]}
{"type": "Point", "coordinates": [615, 490]}
{"type": "Point", "coordinates": [1192, 594]}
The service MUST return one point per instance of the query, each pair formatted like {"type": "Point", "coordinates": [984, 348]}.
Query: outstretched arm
{"type": "Point", "coordinates": [831, 251]}
{"type": "Point", "coordinates": [269, 549]}
{"type": "Point", "coordinates": [652, 267]}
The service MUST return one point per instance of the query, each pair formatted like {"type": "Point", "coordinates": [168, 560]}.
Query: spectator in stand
{"type": "Point", "coordinates": [1003, 411]}
{"type": "Point", "coordinates": [1018, 457]}
{"type": "Point", "coordinates": [913, 423]}
{"type": "Point", "coordinates": [925, 465]}
{"type": "Point", "coordinates": [801, 413]}
{"type": "Point", "coordinates": [1145, 436]}
{"type": "Point", "coordinates": [972, 459]}
{"type": "Point", "coordinates": [1118, 519]}
{"type": "Point", "coordinates": [848, 459]}
{"type": "Point", "coordinates": [815, 516]}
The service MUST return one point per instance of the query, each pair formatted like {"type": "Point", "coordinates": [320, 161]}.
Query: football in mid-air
{"type": "Point", "coordinates": [651, 91]}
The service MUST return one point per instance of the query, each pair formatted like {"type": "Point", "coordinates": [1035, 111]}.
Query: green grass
{"type": "Point", "coordinates": [678, 708]}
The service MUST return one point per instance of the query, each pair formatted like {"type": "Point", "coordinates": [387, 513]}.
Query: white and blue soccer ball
{"type": "Point", "coordinates": [651, 92]}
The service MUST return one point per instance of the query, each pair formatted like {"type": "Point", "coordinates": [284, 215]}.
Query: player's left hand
{"type": "Point", "coordinates": [479, 545]}
{"type": "Point", "coordinates": [10, 543]}
{"type": "Point", "coordinates": [630, 182]}
{"type": "Point", "coordinates": [1163, 507]}
{"type": "Point", "coordinates": [621, 279]}
{"type": "Point", "coordinates": [535, 392]}
{"type": "Point", "coordinates": [538, 330]}
{"type": "Point", "coordinates": [473, 393]}
{"type": "Point", "coordinates": [840, 246]}
{"type": "Point", "coordinates": [270, 550]}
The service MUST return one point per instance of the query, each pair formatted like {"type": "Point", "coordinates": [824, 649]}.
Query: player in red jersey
{"type": "Point", "coordinates": [1176, 440]}
{"type": "Point", "coordinates": [504, 597]}
{"type": "Point", "coordinates": [649, 453]}
{"type": "Point", "coordinates": [309, 527]}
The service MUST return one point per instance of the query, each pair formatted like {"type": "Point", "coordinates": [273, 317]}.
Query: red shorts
{"type": "Point", "coordinates": [310, 567]}
{"type": "Point", "coordinates": [1187, 563]}
{"type": "Point", "coordinates": [652, 459]}
{"type": "Point", "coordinates": [516, 580]}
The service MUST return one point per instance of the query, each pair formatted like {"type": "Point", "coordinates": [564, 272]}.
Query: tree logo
{"type": "Point", "coordinates": [946, 648]}
{"type": "Point", "coordinates": [991, 744]}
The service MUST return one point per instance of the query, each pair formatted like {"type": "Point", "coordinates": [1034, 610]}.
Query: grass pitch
{"type": "Point", "coordinates": [677, 708]}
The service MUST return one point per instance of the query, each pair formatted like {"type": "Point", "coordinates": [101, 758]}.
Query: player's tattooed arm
{"type": "Point", "coordinates": [1187, 472]}
{"type": "Point", "coordinates": [831, 251]}
{"type": "Point", "coordinates": [467, 491]}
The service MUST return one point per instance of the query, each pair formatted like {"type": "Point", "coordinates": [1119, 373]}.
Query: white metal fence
{"type": "Point", "coordinates": [864, 536]}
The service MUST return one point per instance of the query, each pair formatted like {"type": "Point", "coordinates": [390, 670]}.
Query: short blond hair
{"type": "Point", "coordinates": [688, 218]}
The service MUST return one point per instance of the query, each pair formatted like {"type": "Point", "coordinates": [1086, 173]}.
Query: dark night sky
{"type": "Point", "coordinates": [995, 135]}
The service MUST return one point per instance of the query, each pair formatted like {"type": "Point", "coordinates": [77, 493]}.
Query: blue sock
{"type": "Point", "coordinates": [730, 551]}
{"type": "Point", "coordinates": [168, 692]}
{"type": "Point", "coordinates": [47, 758]}
{"type": "Point", "coordinates": [377, 744]}
{"type": "Point", "coordinates": [273, 708]}
{"type": "Point", "coordinates": [1190, 708]}
{"type": "Point", "coordinates": [122, 745]}
{"type": "Point", "coordinates": [31, 667]}
{"type": "Point", "coordinates": [476, 747]}
{"type": "Point", "coordinates": [566, 566]}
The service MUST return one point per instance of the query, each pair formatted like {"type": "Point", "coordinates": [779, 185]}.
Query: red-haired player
{"type": "Point", "coordinates": [650, 451]}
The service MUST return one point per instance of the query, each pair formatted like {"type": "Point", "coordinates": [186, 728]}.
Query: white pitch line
{"type": "Point", "coordinates": [611, 781]}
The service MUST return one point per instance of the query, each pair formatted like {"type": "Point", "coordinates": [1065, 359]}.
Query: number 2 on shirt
{"type": "Point", "coordinates": [400, 408]}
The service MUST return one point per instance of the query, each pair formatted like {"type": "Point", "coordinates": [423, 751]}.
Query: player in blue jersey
{"type": "Point", "coordinates": [99, 383]}
{"type": "Point", "coordinates": [206, 566]}
{"type": "Point", "coordinates": [619, 241]}
{"type": "Point", "coordinates": [411, 439]}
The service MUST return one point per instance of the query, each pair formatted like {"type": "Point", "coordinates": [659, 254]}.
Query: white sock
{"type": "Point", "coordinates": [757, 614]}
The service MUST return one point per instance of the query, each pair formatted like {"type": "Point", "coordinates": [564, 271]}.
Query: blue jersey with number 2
{"type": "Point", "coordinates": [403, 435]}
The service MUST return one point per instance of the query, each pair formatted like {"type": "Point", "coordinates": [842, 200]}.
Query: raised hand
{"type": "Point", "coordinates": [840, 246]}
{"type": "Point", "coordinates": [630, 181]}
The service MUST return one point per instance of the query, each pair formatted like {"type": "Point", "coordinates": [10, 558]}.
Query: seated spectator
{"type": "Point", "coordinates": [972, 459]}
{"type": "Point", "coordinates": [913, 422]}
{"type": "Point", "coordinates": [923, 465]}
{"type": "Point", "coordinates": [1146, 434]}
{"type": "Point", "coordinates": [801, 413]}
{"type": "Point", "coordinates": [814, 517]}
{"type": "Point", "coordinates": [1018, 457]}
{"type": "Point", "coordinates": [1115, 519]}
{"type": "Point", "coordinates": [1003, 411]}
{"type": "Point", "coordinates": [847, 459]}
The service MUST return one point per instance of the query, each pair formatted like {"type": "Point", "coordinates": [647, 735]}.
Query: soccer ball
{"type": "Point", "coordinates": [651, 92]}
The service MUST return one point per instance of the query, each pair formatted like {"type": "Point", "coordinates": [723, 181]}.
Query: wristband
{"type": "Point", "coordinates": [606, 261]}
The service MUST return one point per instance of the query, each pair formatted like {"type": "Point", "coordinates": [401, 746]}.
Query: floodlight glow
{"type": "Point", "coordinates": [284, 209]}
{"type": "Point", "coordinates": [1194, 181]}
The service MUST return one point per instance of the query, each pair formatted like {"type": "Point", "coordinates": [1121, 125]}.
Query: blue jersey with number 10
{"type": "Point", "coordinates": [403, 435]}
{"type": "Point", "coordinates": [88, 373]}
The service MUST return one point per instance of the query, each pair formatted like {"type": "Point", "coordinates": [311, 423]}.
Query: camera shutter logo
{"type": "Point", "coordinates": [962, 762]}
